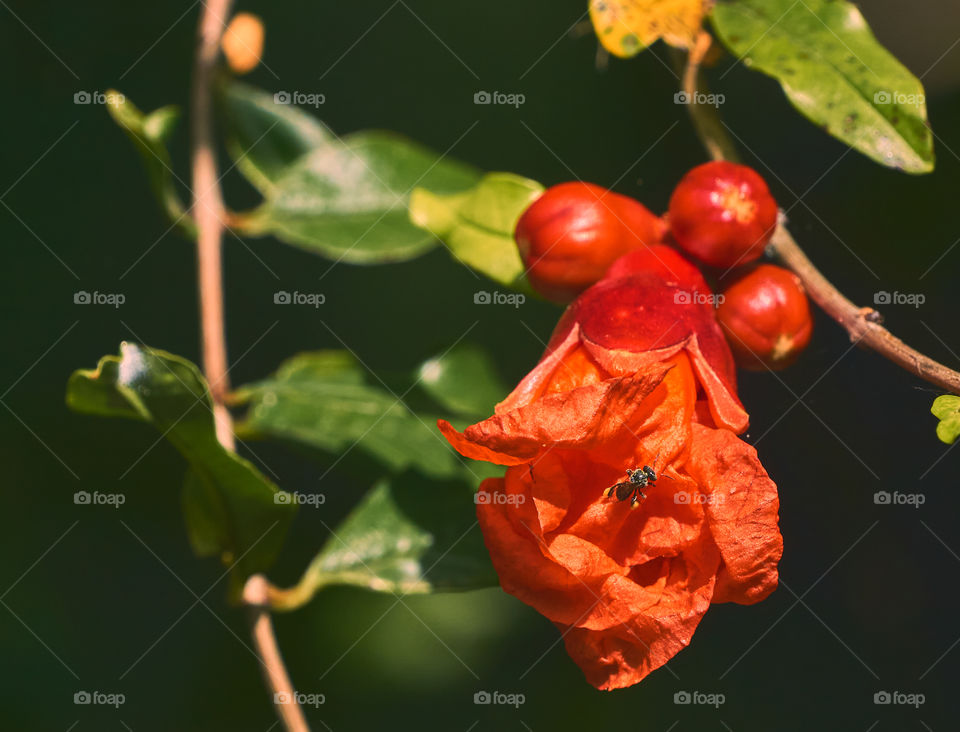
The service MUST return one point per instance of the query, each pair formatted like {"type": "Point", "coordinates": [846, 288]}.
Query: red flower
{"type": "Point", "coordinates": [635, 374]}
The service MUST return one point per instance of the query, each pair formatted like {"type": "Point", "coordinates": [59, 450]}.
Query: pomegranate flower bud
{"type": "Point", "coordinates": [570, 235]}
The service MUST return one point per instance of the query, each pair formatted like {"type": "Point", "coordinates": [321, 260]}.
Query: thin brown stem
{"type": "Point", "coordinates": [210, 215]}
{"type": "Point", "coordinates": [255, 596]}
{"type": "Point", "coordinates": [291, 598]}
{"type": "Point", "coordinates": [208, 211]}
{"type": "Point", "coordinates": [862, 323]}
{"type": "Point", "coordinates": [711, 133]}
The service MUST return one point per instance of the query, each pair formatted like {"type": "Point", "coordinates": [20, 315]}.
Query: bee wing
{"type": "Point", "coordinates": [618, 489]}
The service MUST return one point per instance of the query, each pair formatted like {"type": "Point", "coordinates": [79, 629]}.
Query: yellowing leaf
{"type": "Point", "coordinates": [626, 27]}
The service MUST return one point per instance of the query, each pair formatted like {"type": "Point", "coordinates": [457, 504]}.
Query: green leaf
{"type": "Point", "coordinates": [835, 72]}
{"type": "Point", "coordinates": [230, 507]}
{"type": "Point", "coordinates": [463, 380]}
{"type": "Point", "coordinates": [205, 515]}
{"type": "Point", "coordinates": [343, 198]}
{"type": "Point", "coordinates": [477, 226]}
{"type": "Point", "coordinates": [149, 134]}
{"type": "Point", "coordinates": [322, 399]}
{"type": "Point", "coordinates": [946, 408]}
{"type": "Point", "coordinates": [266, 137]}
{"type": "Point", "coordinates": [408, 535]}
{"type": "Point", "coordinates": [348, 200]}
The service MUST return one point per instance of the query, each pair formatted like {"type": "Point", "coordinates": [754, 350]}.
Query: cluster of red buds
{"type": "Point", "coordinates": [721, 217]}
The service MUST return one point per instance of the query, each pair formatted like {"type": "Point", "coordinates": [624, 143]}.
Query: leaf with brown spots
{"type": "Point", "coordinates": [626, 27]}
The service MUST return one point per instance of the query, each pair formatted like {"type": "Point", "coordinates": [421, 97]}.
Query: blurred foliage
{"type": "Point", "coordinates": [323, 399]}
{"type": "Point", "coordinates": [477, 225]}
{"type": "Point", "coordinates": [232, 510]}
{"type": "Point", "coordinates": [407, 536]}
{"type": "Point", "coordinates": [344, 198]}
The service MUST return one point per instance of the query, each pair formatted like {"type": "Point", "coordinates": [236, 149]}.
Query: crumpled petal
{"type": "Point", "coordinates": [663, 527]}
{"type": "Point", "coordinates": [585, 416]}
{"type": "Point", "coordinates": [623, 655]}
{"type": "Point", "coordinates": [724, 406]}
{"type": "Point", "coordinates": [573, 581]}
{"type": "Point", "coordinates": [742, 514]}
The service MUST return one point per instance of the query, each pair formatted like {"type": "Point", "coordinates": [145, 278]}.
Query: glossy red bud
{"type": "Point", "coordinates": [570, 236]}
{"type": "Point", "coordinates": [766, 317]}
{"type": "Point", "coordinates": [723, 214]}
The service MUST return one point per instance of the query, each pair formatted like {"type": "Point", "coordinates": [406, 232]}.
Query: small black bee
{"type": "Point", "coordinates": [639, 479]}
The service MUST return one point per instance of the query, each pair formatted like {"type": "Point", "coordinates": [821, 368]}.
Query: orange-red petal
{"type": "Point", "coordinates": [742, 512]}
{"type": "Point", "coordinates": [582, 417]}
{"type": "Point", "coordinates": [651, 634]}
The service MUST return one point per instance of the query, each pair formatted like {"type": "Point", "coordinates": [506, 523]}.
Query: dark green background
{"type": "Point", "coordinates": [882, 603]}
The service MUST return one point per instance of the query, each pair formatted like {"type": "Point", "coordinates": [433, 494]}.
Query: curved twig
{"type": "Point", "coordinates": [255, 596]}
{"type": "Point", "coordinates": [208, 211]}
{"type": "Point", "coordinates": [862, 323]}
{"type": "Point", "coordinates": [210, 215]}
